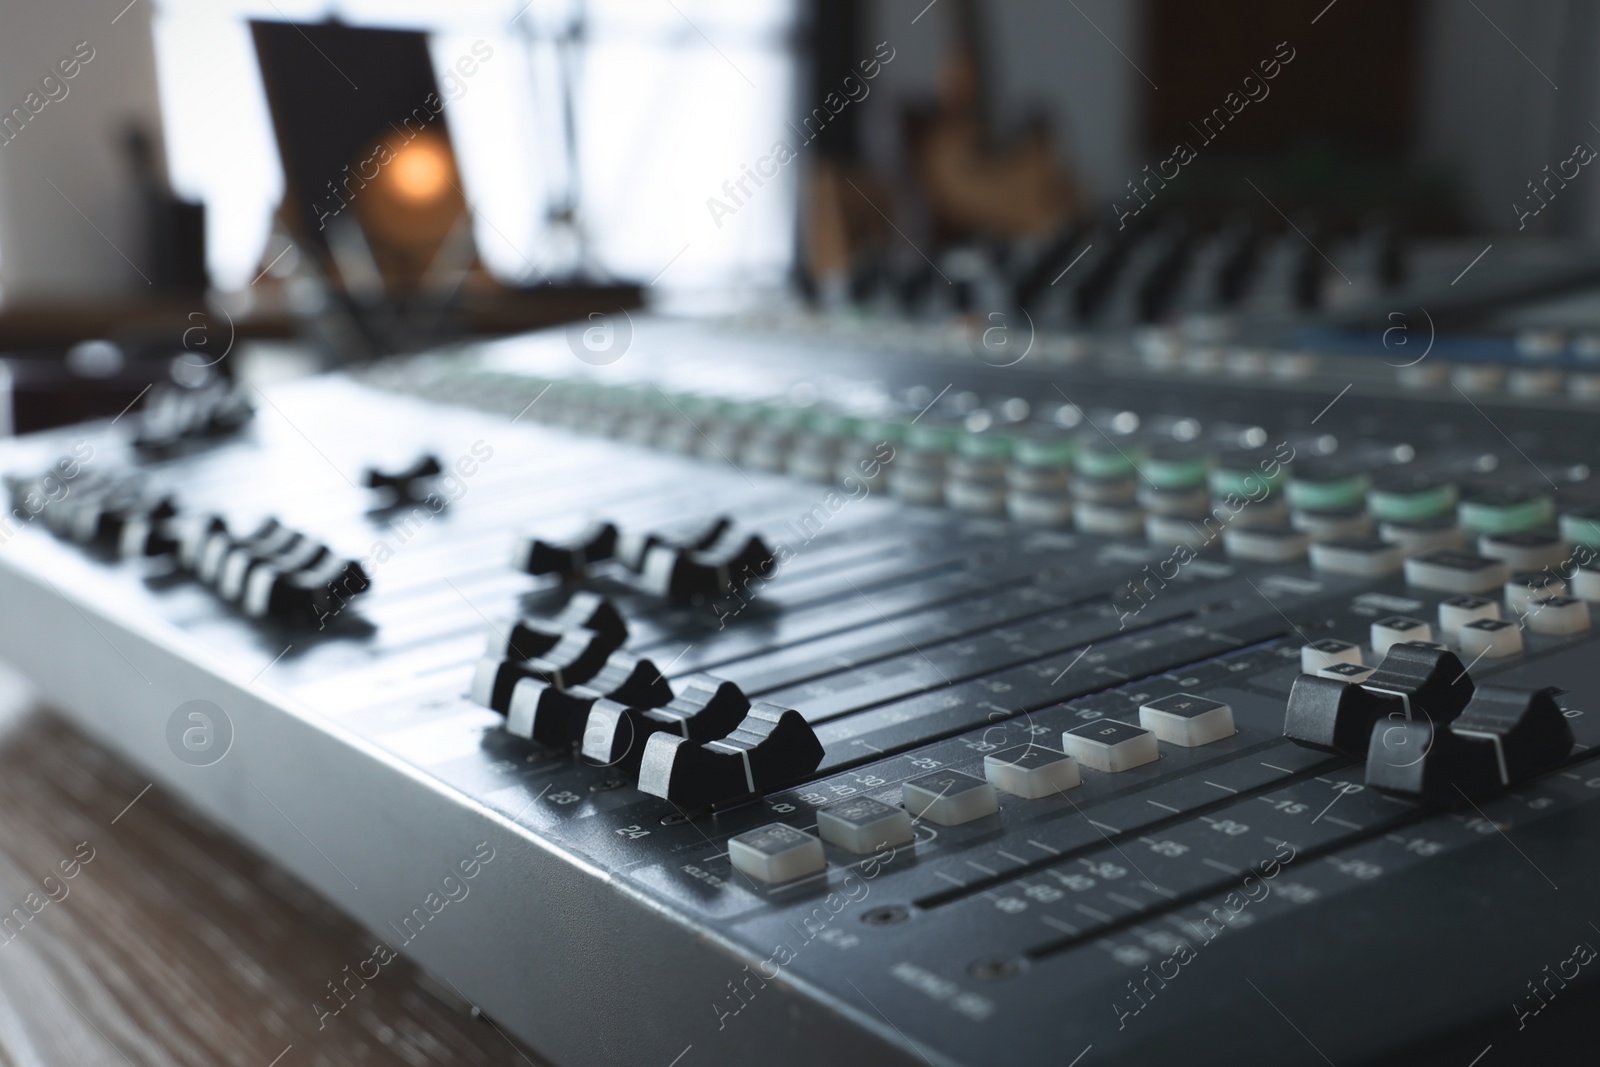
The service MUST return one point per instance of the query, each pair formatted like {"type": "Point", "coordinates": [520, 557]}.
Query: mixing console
{"type": "Point", "coordinates": [839, 693]}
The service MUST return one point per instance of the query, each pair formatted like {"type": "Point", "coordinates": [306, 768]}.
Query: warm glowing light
{"type": "Point", "coordinates": [420, 172]}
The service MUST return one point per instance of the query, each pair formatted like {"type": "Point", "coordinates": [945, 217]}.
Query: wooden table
{"type": "Point", "coordinates": [173, 944]}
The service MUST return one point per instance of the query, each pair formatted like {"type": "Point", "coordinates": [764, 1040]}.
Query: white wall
{"type": "Point", "coordinates": [48, 250]}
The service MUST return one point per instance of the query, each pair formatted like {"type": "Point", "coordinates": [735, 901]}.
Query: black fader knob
{"type": "Point", "coordinates": [550, 715]}
{"type": "Point", "coordinates": [100, 516]}
{"type": "Point", "coordinates": [704, 708]}
{"type": "Point", "coordinates": [533, 636]}
{"type": "Point", "coordinates": [633, 548]}
{"type": "Point", "coordinates": [407, 484]}
{"type": "Point", "coordinates": [1502, 737]}
{"type": "Point", "coordinates": [1414, 682]}
{"type": "Point", "coordinates": [573, 660]}
{"type": "Point", "coordinates": [314, 594]}
{"type": "Point", "coordinates": [272, 551]}
{"type": "Point", "coordinates": [591, 611]}
{"type": "Point", "coordinates": [193, 533]}
{"type": "Point", "coordinates": [145, 536]}
{"type": "Point", "coordinates": [569, 558]}
{"type": "Point", "coordinates": [525, 638]}
{"type": "Point", "coordinates": [771, 747]}
{"type": "Point", "coordinates": [692, 576]}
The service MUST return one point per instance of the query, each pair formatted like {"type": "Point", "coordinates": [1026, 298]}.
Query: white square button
{"type": "Point", "coordinates": [949, 798]}
{"type": "Point", "coordinates": [1558, 615]}
{"type": "Point", "coordinates": [1187, 720]}
{"type": "Point", "coordinates": [1031, 771]}
{"type": "Point", "coordinates": [1460, 610]}
{"type": "Point", "coordinates": [1108, 745]}
{"type": "Point", "coordinates": [776, 852]}
{"type": "Point", "coordinates": [1327, 652]}
{"type": "Point", "coordinates": [1490, 638]}
{"type": "Point", "coordinates": [863, 825]}
{"type": "Point", "coordinates": [1346, 672]}
{"type": "Point", "coordinates": [1395, 629]}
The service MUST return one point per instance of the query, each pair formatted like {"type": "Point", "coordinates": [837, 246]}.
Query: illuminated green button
{"type": "Point", "coordinates": [835, 424]}
{"type": "Point", "coordinates": [611, 397]}
{"type": "Point", "coordinates": [891, 430]}
{"type": "Point", "coordinates": [643, 395]}
{"type": "Point", "coordinates": [560, 394]}
{"type": "Point", "coordinates": [735, 410]}
{"type": "Point", "coordinates": [1581, 526]}
{"type": "Point", "coordinates": [1506, 510]}
{"type": "Point", "coordinates": [1101, 459]}
{"type": "Point", "coordinates": [1176, 468]}
{"type": "Point", "coordinates": [1243, 478]}
{"type": "Point", "coordinates": [1330, 493]}
{"type": "Point", "coordinates": [1411, 502]}
{"type": "Point", "coordinates": [786, 416]}
{"type": "Point", "coordinates": [678, 405]}
{"type": "Point", "coordinates": [933, 436]}
{"type": "Point", "coordinates": [985, 446]}
{"type": "Point", "coordinates": [1044, 451]}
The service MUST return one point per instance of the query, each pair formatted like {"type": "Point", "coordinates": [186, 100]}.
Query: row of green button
{"type": "Point", "coordinates": [1171, 468]}
{"type": "Point", "coordinates": [1582, 527]}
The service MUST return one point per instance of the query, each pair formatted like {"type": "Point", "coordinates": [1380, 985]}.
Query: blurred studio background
{"type": "Point", "coordinates": [185, 180]}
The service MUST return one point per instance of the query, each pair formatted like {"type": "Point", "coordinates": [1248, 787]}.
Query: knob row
{"type": "Point", "coordinates": [779, 853]}
{"type": "Point", "coordinates": [173, 414]}
{"type": "Point", "coordinates": [686, 566]}
{"type": "Point", "coordinates": [1040, 472]}
{"type": "Point", "coordinates": [563, 681]}
{"type": "Point", "coordinates": [1422, 725]}
{"type": "Point", "coordinates": [275, 572]}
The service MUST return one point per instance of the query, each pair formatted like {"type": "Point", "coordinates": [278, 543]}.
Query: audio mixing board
{"type": "Point", "coordinates": [789, 696]}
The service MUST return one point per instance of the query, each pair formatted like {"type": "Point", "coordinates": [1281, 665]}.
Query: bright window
{"type": "Point", "coordinates": [674, 98]}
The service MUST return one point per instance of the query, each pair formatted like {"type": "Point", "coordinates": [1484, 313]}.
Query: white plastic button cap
{"type": "Point", "coordinates": [1031, 771]}
{"type": "Point", "coordinates": [1187, 720]}
{"type": "Point", "coordinates": [1490, 639]}
{"type": "Point", "coordinates": [1395, 629]}
{"type": "Point", "coordinates": [1359, 557]}
{"type": "Point", "coordinates": [1449, 571]}
{"type": "Point", "coordinates": [1333, 525]}
{"type": "Point", "coordinates": [949, 798]}
{"type": "Point", "coordinates": [1045, 509]}
{"type": "Point", "coordinates": [1109, 745]}
{"type": "Point", "coordinates": [863, 825]}
{"type": "Point", "coordinates": [1327, 652]}
{"type": "Point", "coordinates": [1460, 610]}
{"type": "Point", "coordinates": [1265, 545]}
{"type": "Point", "coordinates": [1586, 583]}
{"type": "Point", "coordinates": [776, 853]}
{"type": "Point", "coordinates": [1346, 672]}
{"type": "Point", "coordinates": [1524, 549]}
{"type": "Point", "coordinates": [1108, 520]}
{"type": "Point", "coordinates": [1523, 589]}
{"type": "Point", "coordinates": [1558, 615]}
{"type": "Point", "coordinates": [1425, 536]}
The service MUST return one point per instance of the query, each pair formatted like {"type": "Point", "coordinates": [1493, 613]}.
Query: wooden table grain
{"type": "Point", "coordinates": [132, 932]}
